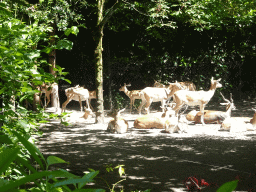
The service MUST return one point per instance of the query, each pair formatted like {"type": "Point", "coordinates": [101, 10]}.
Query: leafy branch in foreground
{"type": "Point", "coordinates": [44, 180]}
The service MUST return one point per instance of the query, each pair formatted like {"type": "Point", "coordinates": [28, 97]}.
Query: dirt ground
{"type": "Point", "coordinates": [153, 159]}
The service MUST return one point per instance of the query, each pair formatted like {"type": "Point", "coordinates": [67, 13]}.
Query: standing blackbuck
{"type": "Point", "coordinates": [92, 95]}
{"type": "Point", "coordinates": [192, 98]}
{"type": "Point", "coordinates": [134, 94]}
{"type": "Point", "coordinates": [76, 93]}
{"type": "Point", "coordinates": [186, 85]}
{"type": "Point", "coordinates": [49, 90]}
{"type": "Point", "coordinates": [156, 94]}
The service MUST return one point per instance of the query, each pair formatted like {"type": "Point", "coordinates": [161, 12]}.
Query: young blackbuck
{"type": "Point", "coordinates": [134, 94]}
{"type": "Point", "coordinates": [118, 124]}
{"type": "Point", "coordinates": [49, 90]}
{"type": "Point", "coordinates": [211, 116]}
{"type": "Point", "coordinates": [192, 98]}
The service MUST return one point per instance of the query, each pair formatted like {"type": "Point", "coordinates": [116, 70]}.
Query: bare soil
{"type": "Point", "coordinates": [153, 159]}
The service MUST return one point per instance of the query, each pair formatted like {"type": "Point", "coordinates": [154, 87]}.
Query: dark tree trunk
{"type": "Point", "coordinates": [99, 65]}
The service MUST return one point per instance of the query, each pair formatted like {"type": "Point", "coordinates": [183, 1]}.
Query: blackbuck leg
{"type": "Point", "coordinates": [80, 102]}
{"type": "Point", "coordinates": [131, 104]}
{"type": "Point", "coordinates": [70, 97]}
{"type": "Point", "coordinates": [141, 105]}
{"type": "Point", "coordinates": [202, 112]}
{"type": "Point", "coordinates": [47, 96]}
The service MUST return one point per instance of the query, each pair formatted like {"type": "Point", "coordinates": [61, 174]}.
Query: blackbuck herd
{"type": "Point", "coordinates": [171, 119]}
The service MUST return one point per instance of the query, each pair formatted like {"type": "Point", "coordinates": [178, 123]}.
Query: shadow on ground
{"type": "Point", "coordinates": [154, 160]}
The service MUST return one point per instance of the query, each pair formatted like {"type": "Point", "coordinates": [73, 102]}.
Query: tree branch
{"type": "Point", "coordinates": [110, 13]}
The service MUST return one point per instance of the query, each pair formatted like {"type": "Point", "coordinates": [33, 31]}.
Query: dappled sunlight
{"type": "Point", "coordinates": [152, 159]}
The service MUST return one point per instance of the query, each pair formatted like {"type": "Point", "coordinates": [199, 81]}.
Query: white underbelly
{"type": "Point", "coordinates": [194, 103]}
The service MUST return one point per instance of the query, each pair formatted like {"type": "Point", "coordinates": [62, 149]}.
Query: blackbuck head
{"type": "Point", "coordinates": [123, 88]}
{"type": "Point", "coordinates": [229, 103]}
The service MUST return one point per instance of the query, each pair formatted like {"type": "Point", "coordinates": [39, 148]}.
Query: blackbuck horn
{"type": "Point", "coordinates": [224, 98]}
{"type": "Point", "coordinates": [231, 98]}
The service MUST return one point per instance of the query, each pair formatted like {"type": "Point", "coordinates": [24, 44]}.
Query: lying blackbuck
{"type": "Point", "coordinates": [158, 121]}
{"type": "Point", "coordinates": [211, 116]}
{"type": "Point", "coordinates": [87, 113]}
{"type": "Point", "coordinates": [156, 94]}
{"type": "Point", "coordinates": [76, 93]}
{"type": "Point", "coordinates": [253, 120]}
{"type": "Point", "coordinates": [191, 115]}
{"type": "Point", "coordinates": [134, 94]}
{"type": "Point", "coordinates": [192, 98]}
{"type": "Point", "coordinates": [118, 124]}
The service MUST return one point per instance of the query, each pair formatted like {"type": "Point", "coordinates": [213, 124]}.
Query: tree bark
{"type": "Point", "coordinates": [52, 60]}
{"type": "Point", "coordinates": [98, 56]}
{"type": "Point", "coordinates": [99, 65]}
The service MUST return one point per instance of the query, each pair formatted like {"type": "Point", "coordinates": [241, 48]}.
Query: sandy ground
{"type": "Point", "coordinates": [153, 159]}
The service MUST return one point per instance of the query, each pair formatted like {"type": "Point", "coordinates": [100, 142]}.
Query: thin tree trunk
{"type": "Point", "coordinates": [52, 60]}
{"type": "Point", "coordinates": [98, 55]}
{"type": "Point", "coordinates": [99, 65]}
{"type": "Point", "coordinates": [109, 75]}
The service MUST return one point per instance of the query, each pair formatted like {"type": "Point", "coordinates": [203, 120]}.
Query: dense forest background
{"type": "Point", "coordinates": [134, 53]}
{"type": "Point", "coordinates": [102, 45]}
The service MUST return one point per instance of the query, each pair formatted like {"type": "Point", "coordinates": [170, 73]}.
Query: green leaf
{"type": "Point", "coordinates": [24, 125]}
{"type": "Point", "coordinates": [74, 30]}
{"type": "Point", "coordinates": [5, 139]}
{"type": "Point", "coordinates": [31, 148]}
{"type": "Point", "coordinates": [68, 81]}
{"type": "Point", "coordinates": [89, 190]}
{"type": "Point", "coordinates": [47, 50]}
{"type": "Point", "coordinates": [26, 163]}
{"type": "Point", "coordinates": [64, 173]}
{"type": "Point", "coordinates": [6, 158]}
{"type": "Point", "coordinates": [88, 177]}
{"type": "Point", "coordinates": [228, 187]}
{"type": "Point", "coordinates": [14, 184]}
{"type": "Point", "coordinates": [82, 181]}
{"type": "Point", "coordinates": [53, 160]}
{"type": "Point", "coordinates": [64, 44]}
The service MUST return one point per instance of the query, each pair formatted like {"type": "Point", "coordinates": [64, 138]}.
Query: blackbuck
{"type": "Point", "coordinates": [193, 98]}
{"type": "Point", "coordinates": [156, 94]}
{"type": "Point", "coordinates": [87, 112]}
{"type": "Point", "coordinates": [191, 115]}
{"type": "Point", "coordinates": [76, 93]}
{"type": "Point", "coordinates": [160, 85]}
{"type": "Point", "coordinates": [158, 121]}
{"type": "Point", "coordinates": [186, 85]}
{"type": "Point", "coordinates": [118, 124]}
{"type": "Point", "coordinates": [211, 116]}
{"type": "Point", "coordinates": [134, 94]}
{"type": "Point", "coordinates": [49, 90]}
{"type": "Point", "coordinates": [253, 120]}
{"type": "Point", "coordinates": [92, 95]}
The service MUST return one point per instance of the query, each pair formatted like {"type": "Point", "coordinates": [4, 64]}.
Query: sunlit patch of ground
{"type": "Point", "coordinates": [153, 159]}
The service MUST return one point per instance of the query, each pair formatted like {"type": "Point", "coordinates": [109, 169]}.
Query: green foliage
{"type": "Point", "coordinates": [45, 180]}
{"type": "Point", "coordinates": [118, 101]}
{"type": "Point", "coordinates": [228, 187]}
